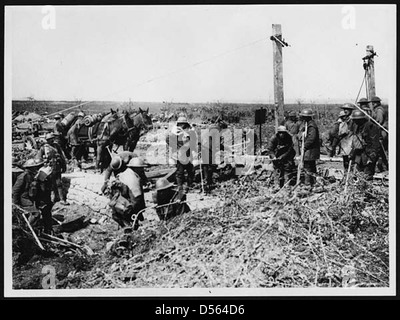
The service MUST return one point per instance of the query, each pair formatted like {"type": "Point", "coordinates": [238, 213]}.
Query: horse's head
{"type": "Point", "coordinates": [143, 120]}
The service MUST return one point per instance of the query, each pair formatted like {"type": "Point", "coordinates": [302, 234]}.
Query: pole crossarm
{"type": "Point", "coordinates": [277, 38]}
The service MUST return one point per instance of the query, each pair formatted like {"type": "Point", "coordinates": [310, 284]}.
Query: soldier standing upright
{"type": "Point", "coordinates": [180, 152]}
{"type": "Point", "coordinates": [292, 126]}
{"type": "Point", "coordinates": [342, 137]}
{"type": "Point", "coordinates": [60, 135]}
{"type": "Point", "coordinates": [379, 114]}
{"type": "Point", "coordinates": [309, 129]}
{"type": "Point", "coordinates": [365, 144]}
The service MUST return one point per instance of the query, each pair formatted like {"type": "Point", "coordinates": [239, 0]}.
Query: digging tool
{"type": "Point", "coordinates": [347, 176]}
{"type": "Point", "coordinates": [66, 242]}
{"type": "Point", "coordinates": [30, 227]}
{"type": "Point", "coordinates": [301, 164]}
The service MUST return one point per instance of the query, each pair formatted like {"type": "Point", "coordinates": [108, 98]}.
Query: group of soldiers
{"type": "Point", "coordinates": [356, 136]}
{"type": "Point", "coordinates": [360, 136]}
{"type": "Point", "coordinates": [33, 188]}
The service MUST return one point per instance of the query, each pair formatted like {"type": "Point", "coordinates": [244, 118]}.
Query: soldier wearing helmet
{"type": "Point", "coordinates": [342, 135]}
{"type": "Point", "coordinates": [165, 193]}
{"type": "Point", "coordinates": [348, 108]}
{"type": "Point", "coordinates": [363, 102]}
{"type": "Point", "coordinates": [378, 112]}
{"type": "Point", "coordinates": [181, 142]}
{"type": "Point", "coordinates": [281, 149]}
{"type": "Point", "coordinates": [119, 163]}
{"type": "Point", "coordinates": [129, 185]}
{"type": "Point", "coordinates": [53, 156]}
{"type": "Point", "coordinates": [309, 129]}
{"type": "Point", "coordinates": [32, 191]}
{"type": "Point", "coordinates": [292, 126]}
{"type": "Point", "coordinates": [365, 144]}
{"type": "Point", "coordinates": [60, 134]}
{"type": "Point", "coordinates": [381, 116]}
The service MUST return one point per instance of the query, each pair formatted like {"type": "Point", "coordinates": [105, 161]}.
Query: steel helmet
{"type": "Point", "coordinates": [358, 115]}
{"type": "Point", "coordinates": [116, 162]}
{"type": "Point", "coordinates": [31, 163]}
{"type": "Point", "coordinates": [306, 113]}
{"type": "Point", "coordinates": [282, 129]}
{"type": "Point", "coordinates": [49, 136]}
{"type": "Point", "coordinates": [375, 99]}
{"type": "Point", "coordinates": [363, 101]}
{"type": "Point", "coordinates": [81, 114]}
{"type": "Point", "coordinates": [163, 183]}
{"type": "Point", "coordinates": [57, 116]}
{"type": "Point", "coordinates": [341, 114]}
{"type": "Point", "coordinates": [348, 106]}
{"type": "Point", "coordinates": [292, 114]}
{"type": "Point", "coordinates": [136, 163]}
{"type": "Point", "coordinates": [182, 120]}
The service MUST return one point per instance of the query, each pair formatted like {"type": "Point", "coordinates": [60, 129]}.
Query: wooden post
{"type": "Point", "coordinates": [278, 73]}
{"type": "Point", "coordinates": [370, 72]}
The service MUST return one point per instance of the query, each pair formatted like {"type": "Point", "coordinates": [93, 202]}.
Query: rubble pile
{"type": "Point", "coordinates": [283, 239]}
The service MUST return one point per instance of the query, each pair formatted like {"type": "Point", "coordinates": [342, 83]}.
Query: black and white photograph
{"type": "Point", "coordinates": [200, 151]}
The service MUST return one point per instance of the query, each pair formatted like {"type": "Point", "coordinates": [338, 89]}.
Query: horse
{"type": "Point", "coordinates": [114, 128]}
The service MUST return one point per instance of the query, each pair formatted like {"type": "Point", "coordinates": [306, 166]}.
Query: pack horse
{"type": "Point", "coordinates": [115, 128]}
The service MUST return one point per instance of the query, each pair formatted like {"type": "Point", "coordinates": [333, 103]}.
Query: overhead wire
{"type": "Point", "coordinates": [195, 64]}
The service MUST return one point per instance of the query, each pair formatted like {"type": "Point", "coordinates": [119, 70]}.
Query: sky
{"type": "Point", "coordinates": [197, 53]}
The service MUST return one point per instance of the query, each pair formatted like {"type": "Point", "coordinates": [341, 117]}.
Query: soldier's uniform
{"type": "Point", "coordinates": [180, 151]}
{"type": "Point", "coordinates": [381, 117]}
{"type": "Point", "coordinates": [53, 156]}
{"type": "Point", "coordinates": [292, 126]}
{"type": "Point", "coordinates": [60, 135]}
{"type": "Point", "coordinates": [365, 144]}
{"type": "Point", "coordinates": [33, 190]}
{"type": "Point", "coordinates": [342, 136]}
{"type": "Point", "coordinates": [118, 164]}
{"type": "Point", "coordinates": [311, 146]}
{"type": "Point", "coordinates": [78, 150]}
{"type": "Point", "coordinates": [281, 147]}
{"type": "Point", "coordinates": [130, 186]}
{"type": "Point", "coordinates": [167, 193]}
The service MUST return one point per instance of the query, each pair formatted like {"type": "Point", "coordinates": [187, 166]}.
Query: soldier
{"type": "Point", "coordinates": [32, 190]}
{"type": "Point", "coordinates": [281, 148]}
{"type": "Point", "coordinates": [60, 135]}
{"type": "Point", "coordinates": [180, 152]}
{"type": "Point", "coordinates": [365, 144]}
{"type": "Point", "coordinates": [292, 126]}
{"type": "Point", "coordinates": [53, 156]}
{"type": "Point", "coordinates": [118, 164]}
{"type": "Point", "coordinates": [167, 193]}
{"type": "Point", "coordinates": [378, 112]}
{"type": "Point", "coordinates": [342, 135]}
{"type": "Point", "coordinates": [381, 117]}
{"type": "Point", "coordinates": [209, 163]}
{"type": "Point", "coordinates": [363, 102]}
{"type": "Point", "coordinates": [129, 185]}
{"type": "Point", "coordinates": [78, 150]}
{"type": "Point", "coordinates": [311, 145]}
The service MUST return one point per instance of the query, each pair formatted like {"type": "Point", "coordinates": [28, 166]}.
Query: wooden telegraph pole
{"type": "Point", "coordinates": [370, 71]}
{"type": "Point", "coordinates": [277, 43]}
